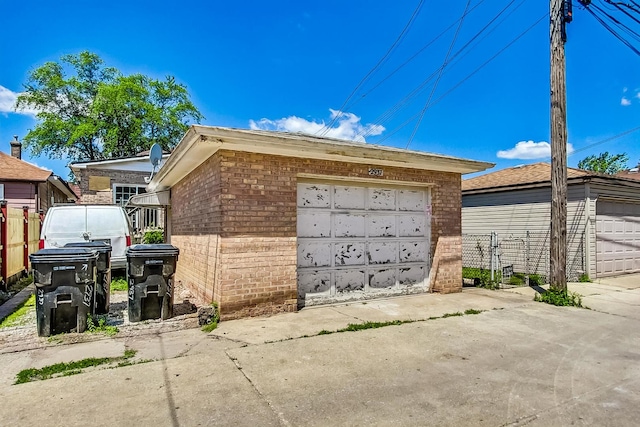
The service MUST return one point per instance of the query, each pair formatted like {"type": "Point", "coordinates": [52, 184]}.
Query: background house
{"type": "Point", "coordinates": [114, 181]}
{"type": "Point", "coordinates": [23, 184]}
{"type": "Point", "coordinates": [603, 219]}
{"type": "Point", "coordinates": [267, 221]}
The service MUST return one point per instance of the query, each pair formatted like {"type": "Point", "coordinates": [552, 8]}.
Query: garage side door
{"type": "Point", "coordinates": [617, 237]}
{"type": "Point", "coordinates": [358, 242]}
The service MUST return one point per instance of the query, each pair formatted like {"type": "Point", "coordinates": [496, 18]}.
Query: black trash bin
{"type": "Point", "coordinates": [103, 275]}
{"type": "Point", "coordinates": [150, 270]}
{"type": "Point", "coordinates": [65, 288]}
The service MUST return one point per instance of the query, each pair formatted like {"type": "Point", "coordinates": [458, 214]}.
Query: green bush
{"type": "Point", "coordinates": [560, 298]}
{"type": "Point", "coordinates": [584, 278]}
{"type": "Point", "coordinates": [153, 236]}
{"type": "Point", "coordinates": [481, 277]}
{"type": "Point", "coordinates": [536, 280]}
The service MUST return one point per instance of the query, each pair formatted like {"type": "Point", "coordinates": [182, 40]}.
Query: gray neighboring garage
{"type": "Point", "coordinates": [603, 214]}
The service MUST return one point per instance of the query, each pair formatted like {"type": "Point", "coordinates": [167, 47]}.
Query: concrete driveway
{"type": "Point", "coordinates": [516, 363]}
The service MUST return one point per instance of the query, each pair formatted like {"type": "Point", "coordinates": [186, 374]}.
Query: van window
{"type": "Point", "coordinates": [67, 220]}
{"type": "Point", "coordinates": [106, 220]}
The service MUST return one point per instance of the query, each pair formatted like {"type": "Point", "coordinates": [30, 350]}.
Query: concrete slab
{"type": "Point", "coordinates": [561, 365]}
{"type": "Point", "coordinates": [523, 363]}
{"type": "Point", "coordinates": [310, 321]}
{"type": "Point", "coordinates": [627, 281]}
{"type": "Point", "coordinates": [199, 390]}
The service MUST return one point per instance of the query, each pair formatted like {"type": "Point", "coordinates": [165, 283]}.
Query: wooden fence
{"type": "Point", "coordinates": [19, 236]}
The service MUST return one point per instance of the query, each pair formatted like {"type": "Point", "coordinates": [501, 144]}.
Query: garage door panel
{"type": "Point", "coordinates": [314, 196]}
{"type": "Point", "coordinates": [349, 253]}
{"type": "Point", "coordinates": [350, 280]}
{"type": "Point", "coordinates": [361, 241]}
{"type": "Point", "coordinates": [382, 199]}
{"type": "Point", "coordinates": [412, 226]}
{"type": "Point", "coordinates": [350, 197]}
{"type": "Point", "coordinates": [411, 200]}
{"type": "Point", "coordinates": [317, 283]}
{"type": "Point", "coordinates": [383, 253]}
{"type": "Point", "coordinates": [382, 225]}
{"type": "Point", "coordinates": [617, 234]}
{"type": "Point", "coordinates": [382, 278]}
{"type": "Point", "coordinates": [409, 276]}
{"type": "Point", "coordinates": [413, 251]}
{"type": "Point", "coordinates": [314, 254]}
{"type": "Point", "coordinates": [314, 224]}
{"type": "Point", "coordinates": [347, 225]}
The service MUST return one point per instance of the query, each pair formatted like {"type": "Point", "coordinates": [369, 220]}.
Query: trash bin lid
{"type": "Point", "coordinates": [101, 247]}
{"type": "Point", "coordinates": [55, 255]}
{"type": "Point", "coordinates": [157, 249]}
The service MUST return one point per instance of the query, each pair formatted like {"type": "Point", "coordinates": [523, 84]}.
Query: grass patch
{"type": "Point", "coordinates": [118, 284]}
{"type": "Point", "coordinates": [353, 327]}
{"type": "Point", "coordinates": [482, 277]}
{"type": "Point", "coordinates": [560, 298]}
{"type": "Point", "coordinates": [457, 313]}
{"type": "Point", "coordinates": [19, 317]}
{"type": "Point", "coordinates": [70, 368]}
{"type": "Point", "coordinates": [99, 325]}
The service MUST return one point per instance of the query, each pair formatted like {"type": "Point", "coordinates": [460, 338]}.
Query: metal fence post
{"type": "Point", "coordinates": [528, 254]}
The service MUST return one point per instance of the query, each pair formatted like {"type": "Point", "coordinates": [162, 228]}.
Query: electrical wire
{"type": "Point", "coordinates": [612, 30]}
{"type": "Point", "coordinates": [379, 64]}
{"type": "Point", "coordinates": [435, 85]}
{"type": "Point", "coordinates": [462, 52]}
{"type": "Point", "coordinates": [508, 45]}
{"type": "Point", "coordinates": [415, 55]}
{"type": "Point", "coordinates": [611, 138]}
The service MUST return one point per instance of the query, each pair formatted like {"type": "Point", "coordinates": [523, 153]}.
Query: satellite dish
{"type": "Point", "coordinates": [155, 155]}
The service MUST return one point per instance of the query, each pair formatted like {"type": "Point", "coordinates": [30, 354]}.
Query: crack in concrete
{"type": "Point", "coordinates": [279, 415]}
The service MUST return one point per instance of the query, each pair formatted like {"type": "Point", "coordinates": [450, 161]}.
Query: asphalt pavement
{"type": "Point", "coordinates": [515, 363]}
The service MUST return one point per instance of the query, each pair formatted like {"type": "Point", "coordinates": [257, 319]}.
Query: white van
{"type": "Point", "coordinates": [88, 223]}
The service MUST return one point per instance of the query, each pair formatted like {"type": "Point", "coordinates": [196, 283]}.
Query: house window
{"type": "Point", "coordinates": [122, 193]}
{"type": "Point", "coordinates": [1, 191]}
{"type": "Point", "coordinates": [141, 218]}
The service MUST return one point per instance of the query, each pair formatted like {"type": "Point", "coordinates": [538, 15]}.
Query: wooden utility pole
{"type": "Point", "coordinates": [558, 253]}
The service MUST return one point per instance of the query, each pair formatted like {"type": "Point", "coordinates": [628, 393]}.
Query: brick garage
{"type": "Point", "coordinates": [234, 210]}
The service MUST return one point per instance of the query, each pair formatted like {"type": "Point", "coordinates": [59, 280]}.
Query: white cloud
{"type": "Point", "coordinates": [345, 126]}
{"type": "Point", "coordinates": [625, 102]}
{"type": "Point", "coordinates": [8, 103]}
{"type": "Point", "coordinates": [528, 150]}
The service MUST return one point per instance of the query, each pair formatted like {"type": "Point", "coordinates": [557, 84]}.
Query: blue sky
{"type": "Point", "coordinates": [290, 65]}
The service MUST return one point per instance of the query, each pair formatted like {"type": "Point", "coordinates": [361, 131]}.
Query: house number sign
{"type": "Point", "coordinates": [375, 172]}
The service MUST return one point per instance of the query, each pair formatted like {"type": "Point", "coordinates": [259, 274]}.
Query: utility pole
{"type": "Point", "coordinates": [560, 14]}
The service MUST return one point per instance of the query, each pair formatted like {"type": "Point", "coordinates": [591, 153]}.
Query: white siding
{"type": "Point", "coordinates": [518, 211]}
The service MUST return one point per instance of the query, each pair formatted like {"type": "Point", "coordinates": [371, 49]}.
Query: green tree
{"type": "Point", "coordinates": [605, 163]}
{"type": "Point", "coordinates": [87, 111]}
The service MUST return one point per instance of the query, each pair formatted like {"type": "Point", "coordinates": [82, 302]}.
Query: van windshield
{"type": "Point", "coordinates": [105, 220]}
{"type": "Point", "coordinates": [68, 220]}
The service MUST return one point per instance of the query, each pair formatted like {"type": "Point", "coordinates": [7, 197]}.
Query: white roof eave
{"type": "Point", "coordinates": [200, 143]}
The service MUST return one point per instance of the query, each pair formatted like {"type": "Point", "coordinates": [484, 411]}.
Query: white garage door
{"type": "Point", "coordinates": [617, 237]}
{"type": "Point", "coordinates": [359, 242]}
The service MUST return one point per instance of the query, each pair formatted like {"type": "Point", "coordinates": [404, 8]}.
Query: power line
{"type": "Point", "coordinates": [435, 85]}
{"type": "Point", "coordinates": [508, 45]}
{"type": "Point", "coordinates": [415, 55]}
{"type": "Point", "coordinates": [380, 62]}
{"type": "Point", "coordinates": [588, 5]}
{"type": "Point", "coordinates": [611, 138]}
{"type": "Point", "coordinates": [462, 52]}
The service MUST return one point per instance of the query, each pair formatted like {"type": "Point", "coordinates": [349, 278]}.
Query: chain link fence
{"type": "Point", "coordinates": [494, 260]}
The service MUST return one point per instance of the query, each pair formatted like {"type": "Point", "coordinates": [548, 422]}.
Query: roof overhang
{"type": "Point", "coordinates": [606, 180]}
{"type": "Point", "coordinates": [201, 142]}
{"type": "Point", "coordinates": [148, 200]}
{"type": "Point", "coordinates": [129, 163]}
{"type": "Point", "coordinates": [62, 185]}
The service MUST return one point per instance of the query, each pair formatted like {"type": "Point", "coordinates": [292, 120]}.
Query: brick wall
{"type": "Point", "coordinates": [105, 197]}
{"type": "Point", "coordinates": [236, 215]}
